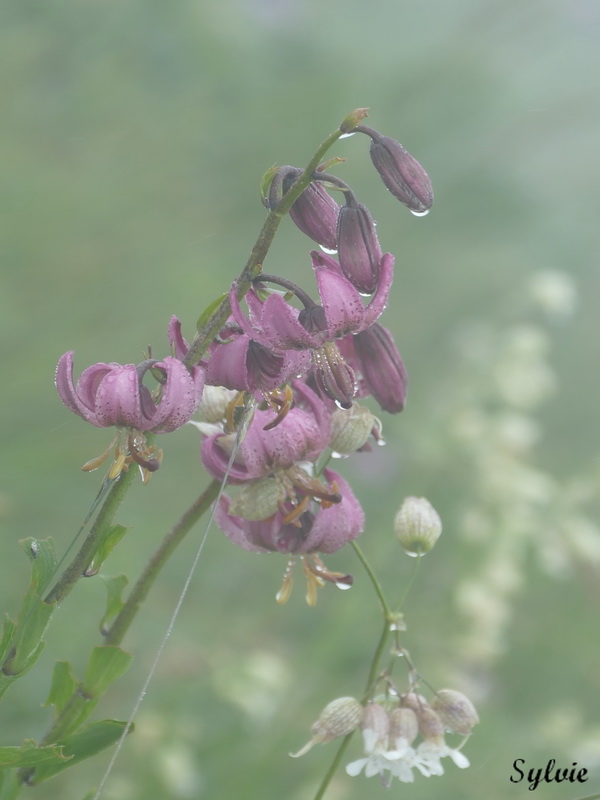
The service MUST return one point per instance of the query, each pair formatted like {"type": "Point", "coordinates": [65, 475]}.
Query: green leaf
{"type": "Point", "coordinates": [110, 541]}
{"type": "Point", "coordinates": [43, 560]}
{"type": "Point", "coordinates": [114, 603]}
{"type": "Point", "coordinates": [27, 642]}
{"type": "Point", "coordinates": [9, 785]}
{"type": "Point", "coordinates": [209, 311]}
{"type": "Point", "coordinates": [62, 688]}
{"type": "Point", "coordinates": [106, 664]}
{"type": "Point", "coordinates": [265, 184]}
{"type": "Point", "coordinates": [82, 745]}
{"type": "Point", "coordinates": [22, 644]}
{"type": "Point", "coordinates": [31, 755]}
{"type": "Point", "coordinates": [8, 633]}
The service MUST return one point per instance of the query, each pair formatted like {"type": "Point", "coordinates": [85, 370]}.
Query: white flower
{"type": "Point", "coordinates": [377, 758]}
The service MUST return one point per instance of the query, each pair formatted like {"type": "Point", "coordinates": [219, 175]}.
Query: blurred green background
{"type": "Point", "coordinates": [133, 138]}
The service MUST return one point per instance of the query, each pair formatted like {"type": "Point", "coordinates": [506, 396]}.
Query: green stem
{"type": "Point", "coordinates": [333, 768]}
{"type": "Point", "coordinates": [259, 252]}
{"type": "Point", "coordinates": [97, 532]}
{"type": "Point", "coordinates": [138, 594]}
{"type": "Point", "coordinates": [376, 585]}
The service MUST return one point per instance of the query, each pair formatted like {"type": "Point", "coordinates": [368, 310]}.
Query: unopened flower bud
{"type": "Point", "coordinates": [456, 711]}
{"type": "Point", "coordinates": [338, 718]}
{"type": "Point", "coordinates": [403, 725]}
{"type": "Point", "coordinates": [315, 212]}
{"type": "Point", "coordinates": [376, 719]}
{"type": "Point", "coordinates": [381, 367]}
{"type": "Point", "coordinates": [401, 173]}
{"type": "Point", "coordinates": [359, 250]}
{"type": "Point", "coordinates": [257, 500]}
{"type": "Point", "coordinates": [351, 428]}
{"type": "Point", "coordinates": [417, 526]}
{"type": "Point", "coordinates": [334, 377]}
{"type": "Point", "coordinates": [431, 726]}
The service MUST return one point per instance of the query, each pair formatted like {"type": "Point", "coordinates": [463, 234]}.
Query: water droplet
{"type": "Point", "coordinates": [347, 135]}
{"type": "Point", "coordinates": [335, 454]}
{"type": "Point", "coordinates": [328, 251]}
{"type": "Point", "coordinates": [381, 442]}
{"type": "Point", "coordinates": [419, 213]}
{"type": "Point", "coordinates": [413, 553]}
{"type": "Point", "coordinates": [343, 586]}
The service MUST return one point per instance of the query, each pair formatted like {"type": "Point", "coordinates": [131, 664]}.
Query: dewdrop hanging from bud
{"type": "Point", "coordinates": [338, 718]}
{"type": "Point", "coordinates": [417, 526]}
{"type": "Point", "coordinates": [456, 711]}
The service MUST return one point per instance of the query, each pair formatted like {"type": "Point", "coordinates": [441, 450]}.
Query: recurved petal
{"type": "Point", "coordinates": [180, 396]}
{"type": "Point", "coordinates": [340, 523]}
{"type": "Point", "coordinates": [176, 338]}
{"type": "Point", "coordinates": [379, 300]}
{"type": "Point", "coordinates": [341, 302]}
{"type": "Point", "coordinates": [117, 397]}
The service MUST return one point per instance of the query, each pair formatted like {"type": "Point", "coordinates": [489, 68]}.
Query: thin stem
{"type": "Point", "coordinates": [376, 585]}
{"type": "Point", "coordinates": [97, 532]}
{"type": "Point", "coordinates": [333, 768]}
{"type": "Point", "coordinates": [138, 594]}
{"type": "Point", "coordinates": [374, 669]}
{"type": "Point", "coordinates": [259, 252]}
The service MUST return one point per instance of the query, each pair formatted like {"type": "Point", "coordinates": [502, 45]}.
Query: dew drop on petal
{"type": "Point", "coordinates": [419, 213]}
{"type": "Point", "coordinates": [343, 586]}
{"type": "Point", "coordinates": [328, 251]}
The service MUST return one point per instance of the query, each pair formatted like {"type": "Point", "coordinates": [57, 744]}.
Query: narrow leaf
{"type": "Point", "coordinates": [114, 603]}
{"type": "Point", "coordinates": [110, 541]}
{"type": "Point", "coordinates": [82, 745]}
{"type": "Point", "coordinates": [209, 311]}
{"type": "Point", "coordinates": [43, 560]}
{"type": "Point", "coordinates": [62, 688]}
{"type": "Point", "coordinates": [31, 755]}
{"type": "Point", "coordinates": [106, 664]}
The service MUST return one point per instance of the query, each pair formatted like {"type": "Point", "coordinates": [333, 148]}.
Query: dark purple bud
{"type": "Point", "coordinates": [334, 377]}
{"type": "Point", "coordinates": [402, 174]}
{"type": "Point", "coordinates": [381, 367]}
{"type": "Point", "coordinates": [359, 250]}
{"type": "Point", "coordinates": [315, 212]}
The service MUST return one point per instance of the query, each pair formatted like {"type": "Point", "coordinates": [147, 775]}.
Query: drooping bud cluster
{"type": "Point", "coordinates": [389, 733]}
{"type": "Point", "coordinates": [390, 728]}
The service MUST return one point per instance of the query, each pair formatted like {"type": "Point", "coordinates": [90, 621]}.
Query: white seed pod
{"type": "Point", "coordinates": [214, 403]}
{"type": "Point", "coordinates": [339, 718]}
{"type": "Point", "coordinates": [351, 428]}
{"type": "Point", "coordinates": [257, 500]}
{"type": "Point", "coordinates": [417, 526]}
{"type": "Point", "coordinates": [455, 710]}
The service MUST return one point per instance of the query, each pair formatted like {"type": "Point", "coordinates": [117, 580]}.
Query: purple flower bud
{"type": "Point", "coordinates": [402, 174]}
{"type": "Point", "coordinates": [315, 212]}
{"type": "Point", "coordinates": [113, 394]}
{"type": "Point", "coordinates": [379, 366]}
{"type": "Point", "coordinates": [359, 250]}
{"type": "Point", "coordinates": [334, 377]}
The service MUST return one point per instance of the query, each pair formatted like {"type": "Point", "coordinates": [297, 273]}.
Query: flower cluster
{"type": "Point", "coordinates": [296, 364]}
{"type": "Point", "coordinates": [390, 728]}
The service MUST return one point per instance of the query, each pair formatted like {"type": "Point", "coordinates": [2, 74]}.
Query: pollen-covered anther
{"type": "Point", "coordinates": [230, 415]}
{"type": "Point", "coordinates": [94, 463]}
{"type": "Point", "coordinates": [281, 402]}
{"type": "Point", "coordinates": [316, 566]}
{"type": "Point", "coordinates": [292, 517]}
{"type": "Point", "coordinates": [283, 595]}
